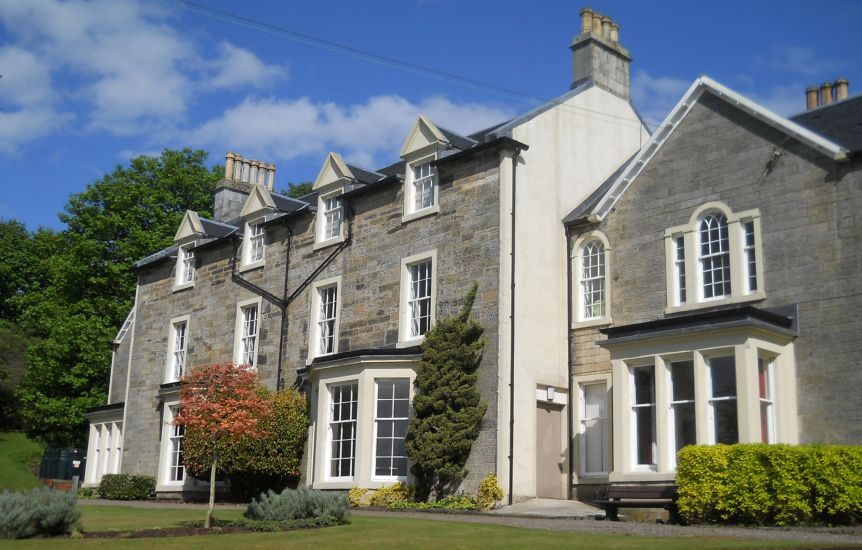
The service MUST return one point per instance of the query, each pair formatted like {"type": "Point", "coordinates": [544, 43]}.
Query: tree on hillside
{"type": "Point", "coordinates": [298, 190]}
{"type": "Point", "coordinates": [82, 286]}
{"type": "Point", "coordinates": [222, 403]}
{"type": "Point", "coordinates": [447, 407]}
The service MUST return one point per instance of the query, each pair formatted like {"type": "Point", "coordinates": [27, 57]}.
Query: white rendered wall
{"type": "Point", "coordinates": [574, 147]}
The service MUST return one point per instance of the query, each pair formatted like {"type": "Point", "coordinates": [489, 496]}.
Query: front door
{"type": "Point", "coordinates": [549, 454]}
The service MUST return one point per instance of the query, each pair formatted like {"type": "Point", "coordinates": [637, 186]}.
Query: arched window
{"type": "Point", "coordinates": [592, 278]}
{"type": "Point", "coordinates": [714, 255]}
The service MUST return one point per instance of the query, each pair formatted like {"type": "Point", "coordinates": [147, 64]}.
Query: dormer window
{"type": "Point", "coordinates": [253, 248]}
{"type": "Point", "coordinates": [424, 186]}
{"type": "Point", "coordinates": [420, 151]}
{"type": "Point", "coordinates": [185, 269]}
{"type": "Point", "coordinates": [333, 213]}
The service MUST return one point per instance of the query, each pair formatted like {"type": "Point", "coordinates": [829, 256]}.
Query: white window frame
{"type": "Point", "coordinates": [582, 318]}
{"type": "Point", "coordinates": [712, 400]}
{"type": "Point", "coordinates": [769, 400]}
{"type": "Point", "coordinates": [410, 180]}
{"type": "Point", "coordinates": [184, 276]}
{"type": "Point", "coordinates": [251, 236]}
{"type": "Point", "coordinates": [329, 423]}
{"type": "Point", "coordinates": [606, 432]}
{"type": "Point", "coordinates": [672, 404]}
{"type": "Point", "coordinates": [314, 332]}
{"type": "Point", "coordinates": [167, 453]}
{"type": "Point", "coordinates": [405, 335]}
{"type": "Point", "coordinates": [739, 255]}
{"type": "Point", "coordinates": [239, 334]}
{"type": "Point", "coordinates": [322, 225]}
{"type": "Point", "coordinates": [170, 364]}
{"type": "Point", "coordinates": [635, 465]}
{"type": "Point", "coordinates": [376, 421]}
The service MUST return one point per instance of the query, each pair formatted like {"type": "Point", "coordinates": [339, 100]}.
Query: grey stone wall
{"type": "Point", "coordinates": [465, 234]}
{"type": "Point", "coordinates": [811, 211]}
{"type": "Point", "coordinates": [604, 62]}
{"type": "Point", "coordinates": [228, 199]}
{"type": "Point", "coordinates": [120, 368]}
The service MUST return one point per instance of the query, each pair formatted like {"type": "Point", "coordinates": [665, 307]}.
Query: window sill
{"type": "Point", "coordinates": [638, 476]}
{"type": "Point", "coordinates": [410, 343]}
{"type": "Point", "coordinates": [254, 265]}
{"type": "Point", "coordinates": [183, 286]}
{"type": "Point", "coordinates": [430, 211]}
{"type": "Point", "coordinates": [603, 321]}
{"type": "Point", "coordinates": [760, 295]}
{"type": "Point", "coordinates": [328, 242]}
{"type": "Point", "coordinates": [346, 484]}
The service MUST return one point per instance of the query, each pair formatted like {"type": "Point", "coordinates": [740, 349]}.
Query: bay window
{"type": "Point", "coordinates": [391, 413]}
{"type": "Point", "coordinates": [342, 430]}
{"type": "Point", "coordinates": [643, 416]}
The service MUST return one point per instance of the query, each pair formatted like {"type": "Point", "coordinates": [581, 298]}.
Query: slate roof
{"type": "Point", "coordinates": [285, 203]}
{"type": "Point", "coordinates": [840, 122]}
{"type": "Point", "coordinates": [213, 228]}
{"type": "Point", "coordinates": [457, 140]}
{"type": "Point", "coordinates": [363, 175]}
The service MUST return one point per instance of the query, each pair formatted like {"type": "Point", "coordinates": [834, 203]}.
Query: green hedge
{"type": "Point", "coordinates": [770, 484]}
{"type": "Point", "coordinates": [126, 487]}
{"type": "Point", "coordinates": [37, 512]}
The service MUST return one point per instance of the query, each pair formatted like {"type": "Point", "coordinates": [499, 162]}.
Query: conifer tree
{"type": "Point", "coordinates": [447, 407]}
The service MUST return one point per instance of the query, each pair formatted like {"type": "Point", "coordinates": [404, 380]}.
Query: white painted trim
{"type": "Point", "coordinates": [577, 291]}
{"type": "Point", "coordinates": [162, 481]}
{"type": "Point", "coordinates": [679, 112]}
{"type": "Point", "coordinates": [190, 227]}
{"type": "Point", "coordinates": [404, 338]}
{"type": "Point", "coordinates": [416, 138]}
{"type": "Point", "coordinates": [408, 213]}
{"type": "Point", "coordinates": [577, 421]}
{"type": "Point", "coordinates": [373, 465]}
{"type": "Point", "coordinates": [237, 337]}
{"type": "Point", "coordinates": [258, 202]}
{"type": "Point", "coordinates": [314, 316]}
{"type": "Point", "coordinates": [166, 376]}
{"type": "Point", "coordinates": [245, 263]}
{"type": "Point", "coordinates": [334, 171]}
{"type": "Point", "coordinates": [320, 221]}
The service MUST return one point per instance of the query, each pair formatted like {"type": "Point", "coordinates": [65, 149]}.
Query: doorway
{"type": "Point", "coordinates": [549, 456]}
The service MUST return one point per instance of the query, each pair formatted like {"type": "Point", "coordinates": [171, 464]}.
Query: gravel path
{"type": "Point", "coordinates": [851, 536]}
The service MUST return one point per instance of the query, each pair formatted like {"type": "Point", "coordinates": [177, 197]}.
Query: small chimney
{"type": "Point", "coordinates": [842, 89]}
{"type": "Point", "coordinates": [826, 93]}
{"type": "Point", "coordinates": [811, 99]}
{"type": "Point", "coordinates": [597, 55]}
{"type": "Point", "coordinates": [240, 175]}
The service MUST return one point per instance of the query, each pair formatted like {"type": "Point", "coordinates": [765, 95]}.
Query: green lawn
{"type": "Point", "coordinates": [17, 456]}
{"type": "Point", "coordinates": [363, 532]}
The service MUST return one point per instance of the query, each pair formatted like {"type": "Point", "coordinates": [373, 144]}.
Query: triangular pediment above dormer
{"type": "Point", "coordinates": [333, 172]}
{"type": "Point", "coordinates": [258, 201]}
{"type": "Point", "coordinates": [423, 134]}
{"type": "Point", "coordinates": [190, 227]}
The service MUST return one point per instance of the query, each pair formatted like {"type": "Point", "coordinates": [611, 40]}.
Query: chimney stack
{"type": "Point", "coordinates": [827, 93]}
{"type": "Point", "coordinates": [597, 55]}
{"type": "Point", "coordinates": [240, 175]}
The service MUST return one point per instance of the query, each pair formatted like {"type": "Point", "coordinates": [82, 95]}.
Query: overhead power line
{"type": "Point", "coordinates": [379, 59]}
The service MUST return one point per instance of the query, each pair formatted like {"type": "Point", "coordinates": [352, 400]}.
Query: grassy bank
{"type": "Point", "coordinates": [18, 457]}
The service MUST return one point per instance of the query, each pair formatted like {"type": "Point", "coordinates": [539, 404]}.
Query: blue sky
{"type": "Point", "coordinates": [88, 85]}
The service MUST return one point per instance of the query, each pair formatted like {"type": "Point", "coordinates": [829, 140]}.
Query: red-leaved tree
{"type": "Point", "coordinates": [224, 403]}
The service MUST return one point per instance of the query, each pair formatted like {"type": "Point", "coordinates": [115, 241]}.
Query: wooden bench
{"type": "Point", "coordinates": [636, 496]}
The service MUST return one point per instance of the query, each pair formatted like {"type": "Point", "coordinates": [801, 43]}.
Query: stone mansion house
{"type": "Point", "coordinates": [639, 292]}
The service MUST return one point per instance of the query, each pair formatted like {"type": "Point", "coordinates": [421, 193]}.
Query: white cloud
{"type": "Point", "coordinates": [134, 72]}
{"type": "Point", "coordinates": [798, 60]}
{"type": "Point", "coordinates": [656, 96]}
{"type": "Point", "coordinates": [366, 134]}
{"type": "Point", "coordinates": [239, 67]}
{"type": "Point", "coordinates": [22, 126]}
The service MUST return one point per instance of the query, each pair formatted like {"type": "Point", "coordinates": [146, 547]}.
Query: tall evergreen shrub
{"type": "Point", "coordinates": [447, 407]}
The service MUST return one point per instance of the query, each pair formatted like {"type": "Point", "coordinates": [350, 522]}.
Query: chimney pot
{"type": "Point", "coordinates": [586, 20]}
{"type": "Point", "coordinates": [826, 93]}
{"type": "Point", "coordinates": [811, 97]}
{"type": "Point", "coordinates": [606, 26]}
{"type": "Point", "coordinates": [597, 23]}
{"type": "Point", "coordinates": [237, 167]}
{"type": "Point", "coordinates": [615, 33]}
{"type": "Point", "coordinates": [228, 165]}
{"type": "Point", "coordinates": [842, 89]}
